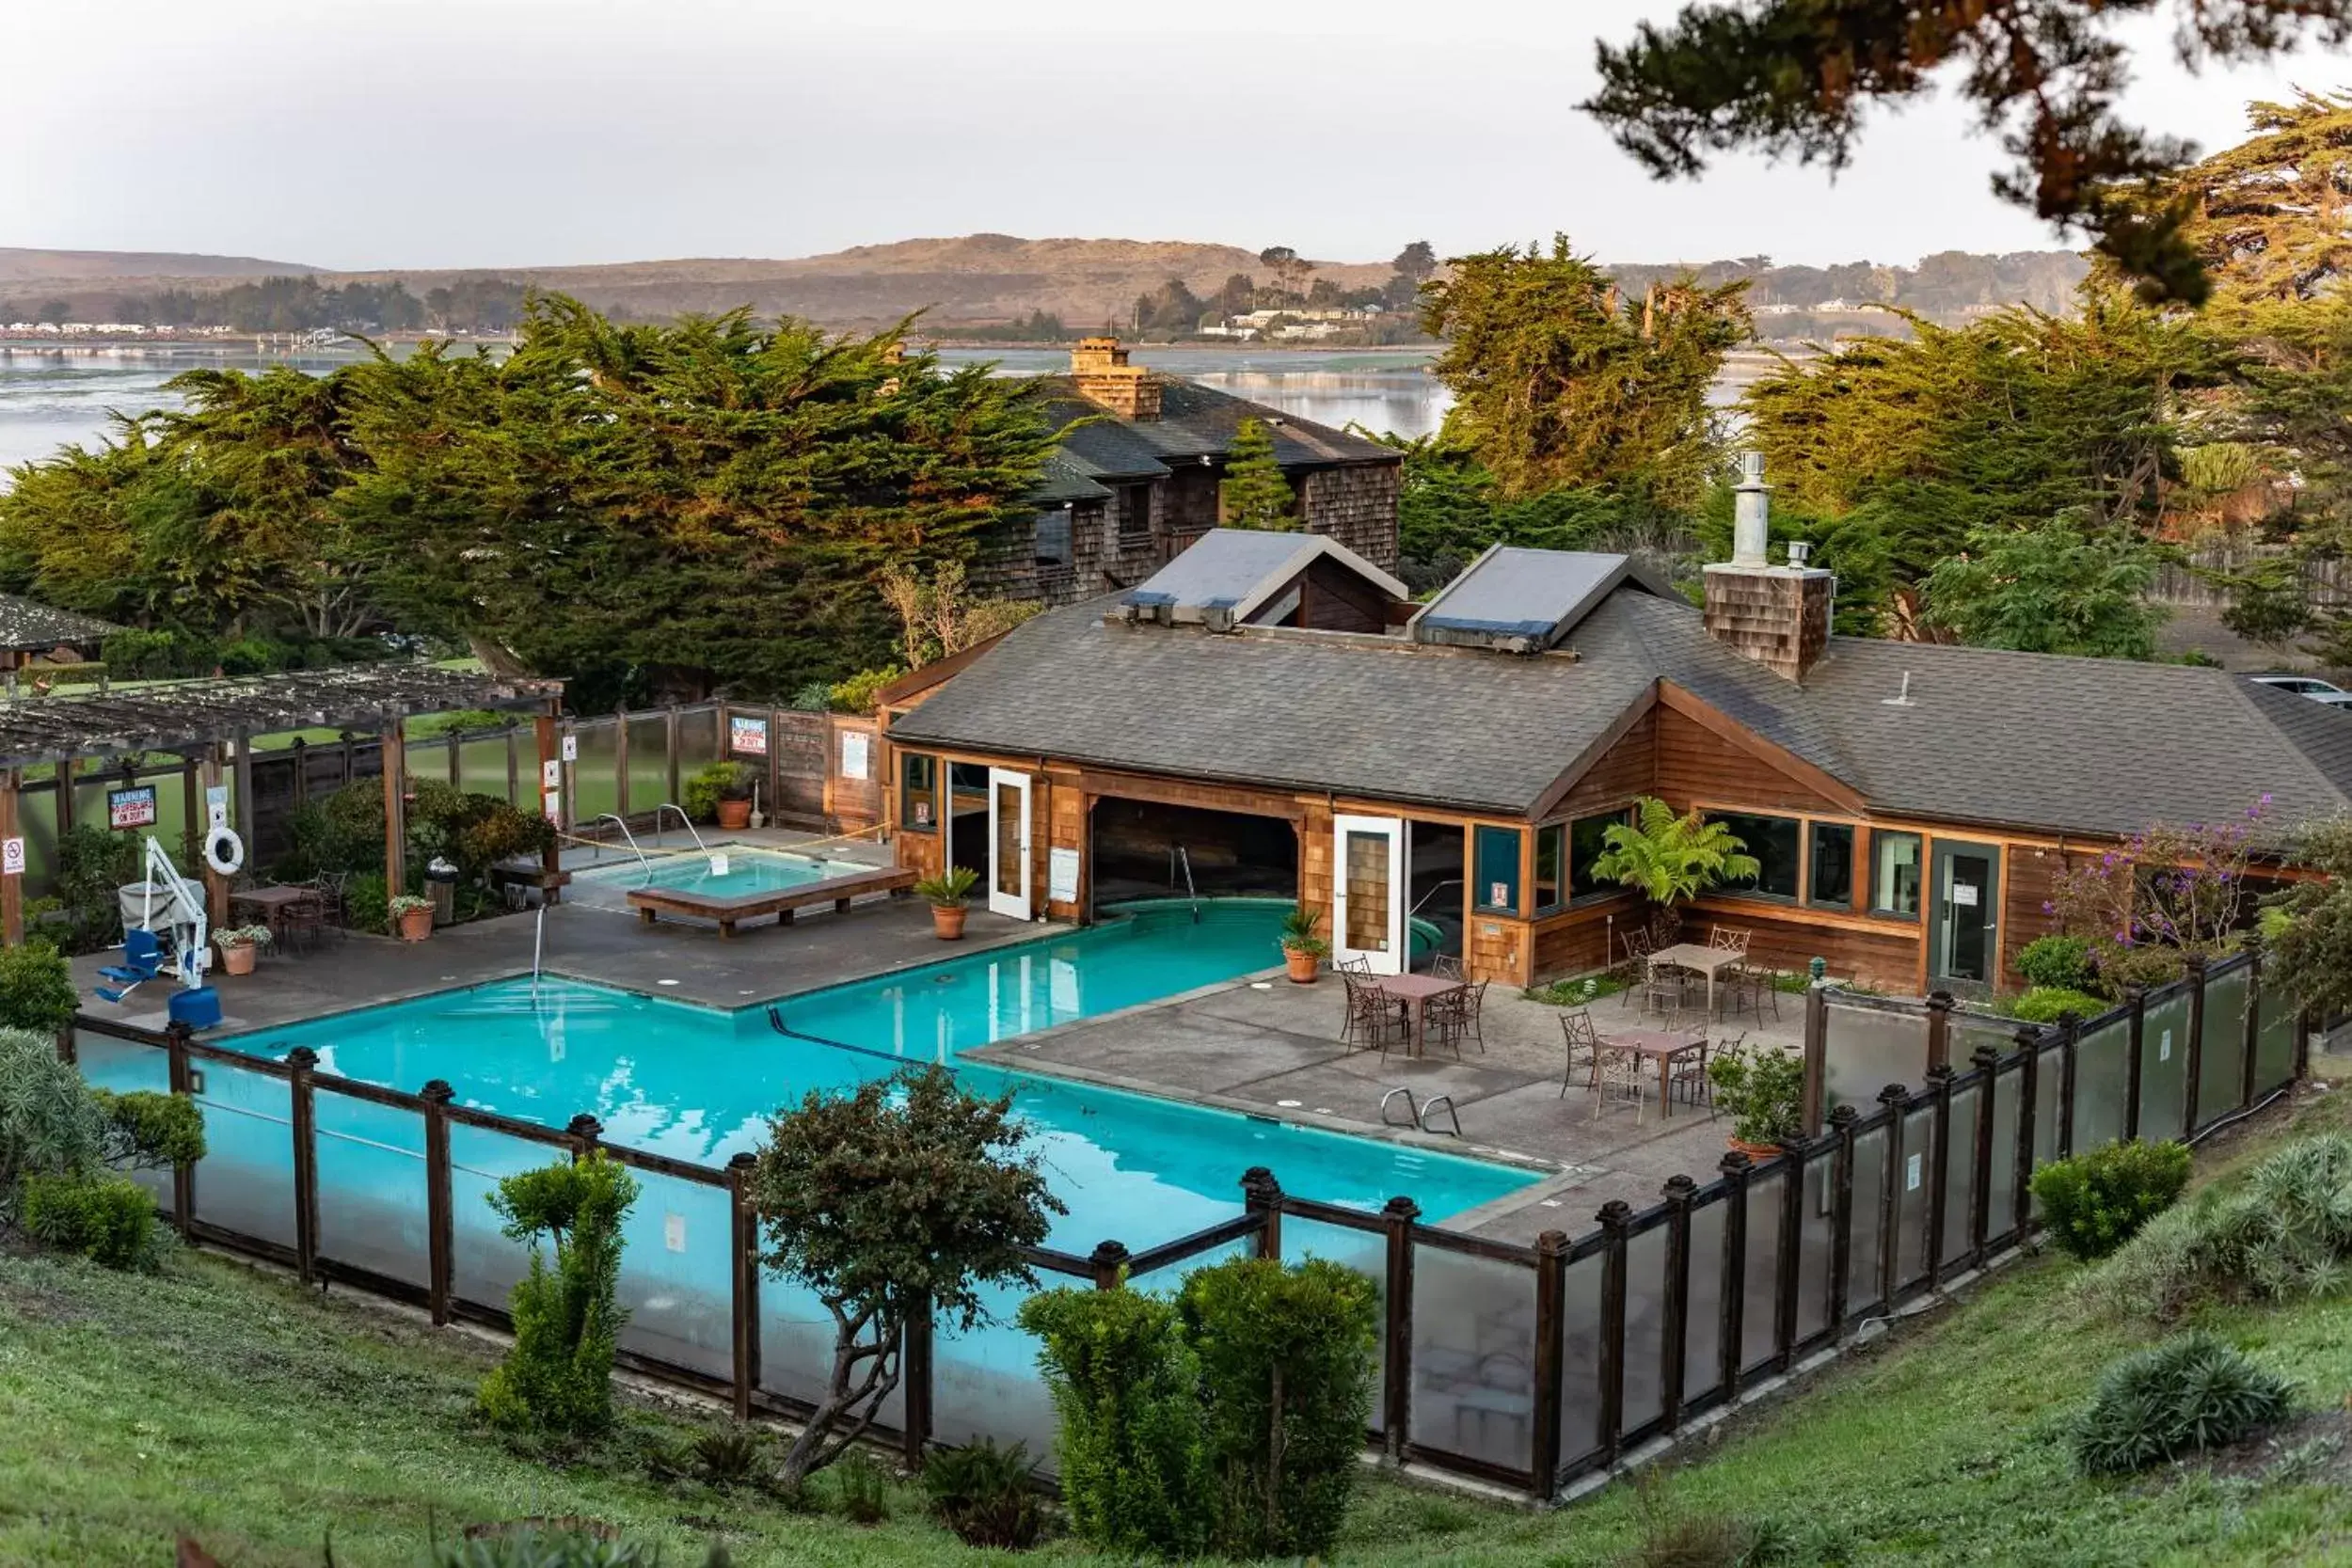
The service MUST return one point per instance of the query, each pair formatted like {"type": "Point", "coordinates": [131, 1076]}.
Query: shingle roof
{"type": "Point", "coordinates": [1235, 570]}
{"type": "Point", "coordinates": [27, 625]}
{"type": "Point", "coordinates": [1514, 595]}
{"type": "Point", "coordinates": [1196, 421]}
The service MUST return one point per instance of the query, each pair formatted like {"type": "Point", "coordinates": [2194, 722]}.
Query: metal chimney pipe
{"type": "Point", "coordinates": [1751, 525]}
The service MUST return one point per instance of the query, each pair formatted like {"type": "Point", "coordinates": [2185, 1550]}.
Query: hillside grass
{"type": "Point", "coordinates": [261, 1419]}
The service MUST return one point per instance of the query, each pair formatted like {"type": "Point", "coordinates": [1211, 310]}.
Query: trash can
{"type": "Point", "coordinates": [441, 879]}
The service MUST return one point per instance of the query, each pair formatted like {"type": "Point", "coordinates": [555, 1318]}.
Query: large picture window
{"type": "Point", "coordinates": [1552, 866]}
{"type": "Point", "coordinates": [1830, 879]}
{"type": "Point", "coordinates": [1496, 887]}
{"type": "Point", "coordinates": [918, 793]}
{"type": "Point", "coordinates": [1588, 840]}
{"type": "Point", "coordinates": [1774, 841]}
{"type": "Point", "coordinates": [1895, 873]}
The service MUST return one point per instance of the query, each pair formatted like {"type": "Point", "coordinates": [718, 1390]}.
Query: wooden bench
{"type": "Point", "coordinates": [651, 903]}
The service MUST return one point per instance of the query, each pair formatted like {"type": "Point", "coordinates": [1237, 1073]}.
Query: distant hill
{"type": "Point", "coordinates": [29, 268]}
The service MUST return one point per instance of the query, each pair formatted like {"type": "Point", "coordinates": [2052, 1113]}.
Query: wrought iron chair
{"type": "Point", "coordinates": [1445, 1019]}
{"type": "Point", "coordinates": [1633, 968]}
{"type": "Point", "coordinates": [1619, 1075]}
{"type": "Point", "coordinates": [1723, 939]}
{"type": "Point", "coordinates": [1445, 966]}
{"type": "Point", "coordinates": [1375, 1018]}
{"type": "Point", "coordinates": [1686, 1075]}
{"type": "Point", "coordinates": [1752, 990]}
{"type": "Point", "coordinates": [1583, 1038]}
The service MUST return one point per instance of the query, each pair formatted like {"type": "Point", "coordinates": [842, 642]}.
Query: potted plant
{"type": "Point", "coordinates": [721, 792]}
{"type": "Point", "coordinates": [947, 893]}
{"type": "Point", "coordinates": [239, 947]}
{"type": "Point", "coordinates": [411, 915]}
{"type": "Point", "coordinates": [1669, 859]}
{"type": "Point", "coordinates": [1303, 948]}
{"type": "Point", "coordinates": [1763, 1090]}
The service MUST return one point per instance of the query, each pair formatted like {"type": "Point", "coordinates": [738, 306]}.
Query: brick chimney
{"type": "Point", "coordinates": [1776, 615]}
{"type": "Point", "coordinates": [1098, 366]}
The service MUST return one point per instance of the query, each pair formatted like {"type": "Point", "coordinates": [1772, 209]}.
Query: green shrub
{"type": "Point", "coordinates": [553, 1543]}
{"type": "Point", "coordinates": [2095, 1202]}
{"type": "Point", "coordinates": [159, 655]}
{"type": "Point", "coordinates": [148, 1130]}
{"type": "Point", "coordinates": [35, 989]}
{"type": "Point", "coordinates": [557, 1380]}
{"type": "Point", "coordinates": [861, 691]}
{"type": "Point", "coordinates": [2047, 1004]}
{"type": "Point", "coordinates": [812, 697]}
{"type": "Point", "coordinates": [2189, 1393]}
{"type": "Point", "coordinates": [713, 783]}
{"type": "Point", "coordinates": [108, 1219]}
{"type": "Point", "coordinates": [2058, 962]}
{"type": "Point", "coordinates": [92, 862]}
{"type": "Point", "coordinates": [367, 903]}
{"type": "Point", "coordinates": [1286, 1365]}
{"type": "Point", "coordinates": [986, 1495]}
{"type": "Point", "coordinates": [50, 1123]}
{"type": "Point", "coordinates": [725, 1456]}
{"type": "Point", "coordinates": [1761, 1090]}
{"type": "Point", "coordinates": [861, 1489]}
{"type": "Point", "coordinates": [1135, 1474]}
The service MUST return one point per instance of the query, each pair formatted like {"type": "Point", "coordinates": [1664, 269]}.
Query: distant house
{"type": "Point", "coordinates": [1439, 776]}
{"type": "Point", "coordinates": [32, 633]}
{"type": "Point", "coordinates": [1137, 479]}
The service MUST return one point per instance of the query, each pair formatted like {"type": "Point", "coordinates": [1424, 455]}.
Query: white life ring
{"type": "Point", "coordinates": [224, 851]}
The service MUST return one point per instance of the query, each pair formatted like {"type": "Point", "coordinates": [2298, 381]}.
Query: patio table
{"type": "Point", "coordinates": [1661, 1046]}
{"type": "Point", "coordinates": [273, 904]}
{"type": "Point", "coordinates": [1414, 990]}
{"type": "Point", "coordinates": [1701, 960]}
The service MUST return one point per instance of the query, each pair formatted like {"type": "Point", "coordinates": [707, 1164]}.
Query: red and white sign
{"type": "Point", "coordinates": [131, 807]}
{"type": "Point", "coordinates": [747, 737]}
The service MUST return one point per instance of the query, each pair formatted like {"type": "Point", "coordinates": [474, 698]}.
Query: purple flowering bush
{"type": "Point", "coordinates": [2143, 908]}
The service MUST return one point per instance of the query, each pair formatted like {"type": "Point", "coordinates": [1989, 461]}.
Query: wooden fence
{"type": "Point", "coordinates": [1528, 1365]}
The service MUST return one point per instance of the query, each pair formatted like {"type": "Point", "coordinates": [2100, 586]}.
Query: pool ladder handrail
{"type": "Point", "coordinates": [690, 828]}
{"type": "Point", "coordinates": [1179, 855]}
{"type": "Point", "coordinates": [1418, 1113]}
{"type": "Point", "coordinates": [626, 837]}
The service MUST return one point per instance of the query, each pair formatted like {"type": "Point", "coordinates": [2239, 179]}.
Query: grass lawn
{"type": "Point", "coordinates": [231, 1404]}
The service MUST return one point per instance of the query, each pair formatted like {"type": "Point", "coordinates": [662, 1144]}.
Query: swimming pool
{"type": "Point", "coordinates": [749, 872]}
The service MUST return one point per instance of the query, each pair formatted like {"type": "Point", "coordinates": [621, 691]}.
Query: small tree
{"type": "Point", "coordinates": [62, 1139]}
{"type": "Point", "coordinates": [1669, 858]}
{"type": "Point", "coordinates": [905, 1196]}
{"type": "Point", "coordinates": [2165, 893]}
{"type": "Point", "coordinates": [1254, 493]}
{"type": "Point", "coordinates": [2059, 588]}
{"type": "Point", "coordinates": [940, 615]}
{"type": "Point", "coordinates": [558, 1378]}
{"type": "Point", "coordinates": [2310, 927]}
{"type": "Point", "coordinates": [35, 989]}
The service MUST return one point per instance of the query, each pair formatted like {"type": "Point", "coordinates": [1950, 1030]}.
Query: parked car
{"type": "Point", "coordinates": [2308, 685]}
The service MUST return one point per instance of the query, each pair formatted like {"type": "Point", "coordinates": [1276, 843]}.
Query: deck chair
{"type": "Point", "coordinates": [142, 960]}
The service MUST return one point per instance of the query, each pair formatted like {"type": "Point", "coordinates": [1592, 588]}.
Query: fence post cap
{"type": "Point", "coordinates": [1258, 1185]}
{"type": "Point", "coordinates": [438, 1092]}
{"type": "Point", "coordinates": [1844, 1117]}
{"type": "Point", "coordinates": [1400, 1209]}
{"type": "Point", "coordinates": [2195, 962]}
{"type": "Point", "coordinates": [1679, 1190]}
{"type": "Point", "coordinates": [743, 1160]}
{"type": "Point", "coordinates": [1987, 1056]}
{"type": "Point", "coordinates": [1108, 1254]}
{"type": "Point", "coordinates": [1552, 1244]}
{"type": "Point", "coordinates": [2028, 1037]}
{"type": "Point", "coordinates": [178, 1030]}
{"type": "Point", "coordinates": [1615, 1216]}
{"type": "Point", "coordinates": [1941, 1001]}
{"type": "Point", "coordinates": [302, 1058]}
{"type": "Point", "coordinates": [1941, 1077]}
{"type": "Point", "coordinates": [1735, 1164]}
{"type": "Point", "coordinates": [585, 1126]}
{"type": "Point", "coordinates": [1895, 1094]}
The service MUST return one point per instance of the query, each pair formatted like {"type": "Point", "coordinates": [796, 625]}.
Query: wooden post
{"type": "Point", "coordinates": [191, 810]}
{"type": "Point", "coordinates": [743, 1250]}
{"type": "Point", "coordinates": [2251, 1028]}
{"type": "Point", "coordinates": [11, 888]}
{"type": "Point", "coordinates": [2028, 1092]}
{"type": "Point", "coordinates": [1939, 1168]}
{"type": "Point", "coordinates": [301, 749]}
{"type": "Point", "coordinates": [2195, 1070]}
{"type": "Point", "coordinates": [1262, 1195]}
{"type": "Point", "coordinates": [1939, 1030]}
{"type": "Point", "coordinates": [1616, 1216]}
{"type": "Point", "coordinates": [1551, 1293]}
{"type": "Point", "coordinates": [243, 810]}
{"type": "Point", "coordinates": [64, 812]}
{"type": "Point", "coordinates": [2070, 1035]}
{"type": "Point", "coordinates": [439, 1203]}
{"type": "Point", "coordinates": [1787, 1274]}
{"type": "Point", "coordinates": [1841, 1122]}
{"type": "Point", "coordinates": [1109, 1262]}
{"type": "Point", "coordinates": [1397, 1389]}
{"type": "Point", "coordinates": [552, 805]}
{"type": "Point", "coordinates": [620, 762]}
{"type": "Point", "coordinates": [200, 825]}
{"type": "Point", "coordinates": [1988, 1062]}
{"type": "Point", "coordinates": [585, 1132]}
{"type": "Point", "coordinates": [669, 749]}
{"type": "Point", "coordinates": [1816, 1056]}
{"type": "Point", "coordinates": [2306, 1026]}
{"type": "Point", "coordinates": [1895, 1098]}
{"type": "Point", "coordinates": [2136, 997]}
{"type": "Point", "coordinates": [1732, 1288]}
{"type": "Point", "coordinates": [395, 806]}
{"type": "Point", "coordinates": [915, 1363]}
{"type": "Point", "coordinates": [1676, 1299]}
{"type": "Point", "coordinates": [301, 1111]}
{"type": "Point", "coordinates": [181, 1081]}
{"type": "Point", "coordinates": [514, 770]}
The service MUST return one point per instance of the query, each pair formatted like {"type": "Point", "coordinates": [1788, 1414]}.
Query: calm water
{"type": "Point", "coordinates": [52, 396]}
{"type": "Point", "coordinates": [748, 871]}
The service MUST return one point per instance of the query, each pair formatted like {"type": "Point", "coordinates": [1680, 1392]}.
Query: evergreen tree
{"type": "Point", "coordinates": [1254, 492]}
{"type": "Point", "coordinates": [2062, 588]}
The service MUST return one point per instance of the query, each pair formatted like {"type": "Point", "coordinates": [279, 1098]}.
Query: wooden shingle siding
{"type": "Point", "coordinates": [1624, 771]}
{"type": "Point", "coordinates": [1578, 940]}
{"type": "Point", "coordinates": [1695, 764]}
{"type": "Point", "coordinates": [1787, 939]}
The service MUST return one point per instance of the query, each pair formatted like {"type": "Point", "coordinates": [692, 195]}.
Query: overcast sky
{"type": "Point", "coordinates": [356, 134]}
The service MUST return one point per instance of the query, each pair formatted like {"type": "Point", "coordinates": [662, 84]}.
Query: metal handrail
{"type": "Point", "coordinates": [1440, 887]}
{"type": "Point", "coordinates": [626, 837]}
{"type": "Point", "coordinates": [672, 805]}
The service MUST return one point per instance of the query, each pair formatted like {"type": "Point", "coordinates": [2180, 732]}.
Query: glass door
{"type": "Point", "coordinates": [1368, 892]}
{"type": "Point", "coordinates": [1963, 940]}
{"type": "Point", "coordinates": [1009, 843]}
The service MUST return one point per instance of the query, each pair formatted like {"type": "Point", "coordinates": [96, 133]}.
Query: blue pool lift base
{"type": "Point", "coordinates": [197, 1007]}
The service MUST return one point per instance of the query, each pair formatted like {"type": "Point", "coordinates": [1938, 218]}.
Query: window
{"type": "Point", "coordinates": [1773, 840]}
{"type": "Point", "coordinates": [1587, 842]}
{"type": "Point", "coordinates": [1498, 868]}
{"type": "Point", "coordinates": [1895, 873]}
{"type": "Point", "coordinates": [1135, 513]}
{"type": "Point", "coordinates": [1832, 882]}
{"type": "Point", "coordinates": [918, 793]}
{"type": "Point", "coordinates": [1052, 538]}
{"type": "Point", "coordinates": [1552, 845]}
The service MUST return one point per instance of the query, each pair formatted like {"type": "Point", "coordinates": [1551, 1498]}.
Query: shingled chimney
{"type": "Point", "coordinates": [1098, 366]}
{"type": "Point", "coordinates": [1778, 616]}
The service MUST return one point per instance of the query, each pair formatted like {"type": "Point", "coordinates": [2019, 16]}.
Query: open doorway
{"type": "Point", "coordinates": [1434, 892]}
{"type": "Point", "coordinates": [1146, 850]}
{"type": "Point", "coordinates": [967, 817]}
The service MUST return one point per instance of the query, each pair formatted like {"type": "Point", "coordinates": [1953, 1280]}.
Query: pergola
{"type": "Point", "coordinates": [212, 723]}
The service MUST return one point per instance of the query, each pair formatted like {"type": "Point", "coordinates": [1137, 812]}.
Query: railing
{"type": "Point", "coordinates": [1528, 1367]}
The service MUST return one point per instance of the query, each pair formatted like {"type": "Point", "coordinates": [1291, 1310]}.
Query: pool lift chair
{"type": "Point", "coordinates": [165, 933]}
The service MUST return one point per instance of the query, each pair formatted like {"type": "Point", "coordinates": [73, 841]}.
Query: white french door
{"type": "Point", "coordinates": [1367, 891]}
{"type": "Point", "coordinates": [1009, 843]}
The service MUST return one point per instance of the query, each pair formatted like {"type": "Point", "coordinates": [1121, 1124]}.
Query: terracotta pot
{"type": "Point", "coordinates": [416, 924]}
{"type": "Point", "coordinates": [1757, 1152]}
{"type": "Point", "coordinates": [237, 960]}
{"type": "Point", "coordinates": [947, 921]}
{"type": "Point", "coordinates": [735, 816]}
{"type": "Point", "coordinates": [1301, 964]}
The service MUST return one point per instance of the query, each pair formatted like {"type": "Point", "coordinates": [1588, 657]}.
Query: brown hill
{"type": "Point", "coordinates": [23, 266]}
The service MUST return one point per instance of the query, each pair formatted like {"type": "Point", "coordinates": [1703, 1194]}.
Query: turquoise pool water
{"type": "Point", "coordinates": [748, 872]}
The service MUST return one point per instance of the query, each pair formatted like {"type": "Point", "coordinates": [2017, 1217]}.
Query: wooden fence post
{"type": "Point", "coordinates": [585, 1132]}
{"type": "Point", "coordinates": [669, 747]}
{"type": "Point", "coordinates": [2195, 1070]}
{"type": "Point", "coordinates": [1841, 1122]}
{"type": "Point", "coordinates": [300, 1107]}
{"type": "Point", "coordinates": [2135, 997]}
{"type": "Point", "coordinates": [1939, 1169]}
{"type": "Point", "coordinates": [182, 1082]}
{"type": "Point", "coordinates": [915, 1363]}
{"type": "Point", "coordinates": [1551, 1293]}
{"type": "Point", "coordinates": [1939, 1030]}
{"type": "Point", "coordinates": [439, 1206]}
{"type": "Point", "coordinates": [1262, 1195]}
{"type": "Point", "coordinates": [1895, 1098]}
{"type": "Point", "coordinates": [2069, 1055]}
{"type": "Point", "coordinates": [1397, 1390]}
{"type": "Point", "coordinates": [1787, 1272]}
{"type": "Point", "coordinates": [1676, 1323]}
{"type": "Point", "coordinates": [1987, 1059]}
{"type": "Point", "coordinates": [2251, 1030]}
{"type": "Point", "coordinates": [2028, 1089]}
{"type": "Point", "coordinates": [744, 1280]}
{"type": "Point", "coordinates": [620, 763]}
{"type": "Point", "coordinates": [1616, 1216]}
{"type": "Point", "coordinates": [1732, 1289]}
{"type": "Point", "coordinates": [1109, 1262]}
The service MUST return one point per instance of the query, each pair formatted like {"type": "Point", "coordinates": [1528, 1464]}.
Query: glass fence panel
{"type": "Point", "coordinates": [1972, 1032]}
{"type": "Point", "coordinates": [649, 763]}
{"type": "Point", "coordinates": [2047, 1067]}
{"type": "Point", "coordinates": [484, 1265]}
{"type": "Point", "coordinates": [122, 1066]}
{"type": "Point", "coordinates": [2103, 1065]}
{"type": "Point", "coordinates": [1473, 1355]}
{"type": "Point", "coordinates": [677, 1279]}
{"type": "Point", "coordinates": [1760, 1290]}
{"type": "Point", "coordinates": [1365, 1251]}
{"type": "Point", "coordinates": [482, 767]}
{"type": "Point", "coordinates": [697, 740]}
{"type": "Point", "coordinates": [1960, 1174]}
{"type": "Point", "coordinates": [1867, 1048]}
{"type": "Point", "coordinates": [2001, 1195]}
{"type": "Point", "coordinates": [2222, 1061]}
{"type": "Point", "coordinates": [1702, 1329]}
{"type": "Point", "coordinates": [428, 759]}
{"type": "Point", "coordinates": [245, 1182]}
{"type": "Point", "coordinates": [373, 1191]}
{"type": "Point", "coordinates": [596, 779]}
{"type": "Point", "coordinates": [1644, 1325]}
{"type": "Point", "coordinates": [986, 1382]}
{"type": "Point", "coordinates": [1817, 1228]}
{"type": "Point", "coordinates": [2274, 1040]}
{"type": "Point", "coordinates": [1579, 1359]}
{"type": "Point", "coordinates": [1911, 1198]}
{"type": "Point", "coordinates": [2163, 1068]}
{"type": "Point", "coordinates": [1869, 1187]}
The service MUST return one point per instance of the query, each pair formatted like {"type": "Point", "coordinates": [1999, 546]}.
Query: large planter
{"type": "Point", "coordinates": [1301, 964]}
{"type": "Point", "coordinates": [416, 924]}
{"type": "Point", "coordinates": [735, 816]}
{"type": "Point", "coordinates": [1757, 1152]}
{"type": "Point", "coordinates": [237, 960]}
{"type": "Point", "coordinates": [947, 921]}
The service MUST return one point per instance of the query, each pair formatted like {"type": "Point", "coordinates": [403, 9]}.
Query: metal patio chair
{"type": "Point", "coordinates": [1583, 1038]}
